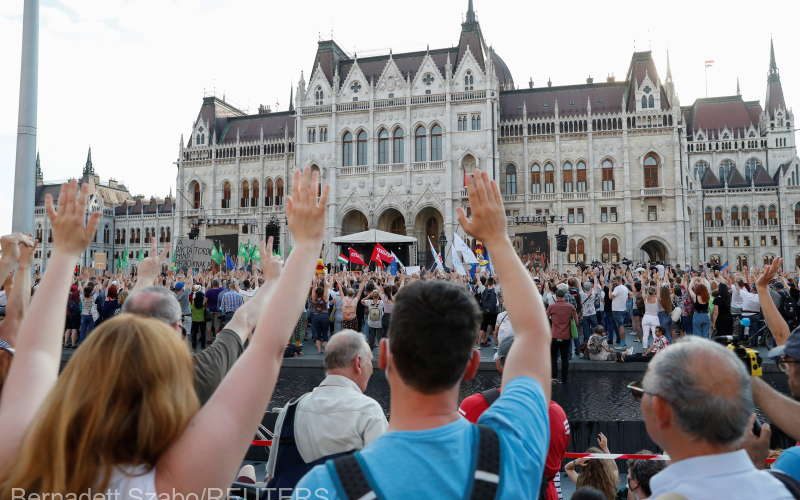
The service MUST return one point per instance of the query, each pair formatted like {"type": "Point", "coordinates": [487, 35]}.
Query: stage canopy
{"type": "Point", "coordinates": [373, 236]}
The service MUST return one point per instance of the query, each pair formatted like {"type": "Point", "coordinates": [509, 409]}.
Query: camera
{"type": "Point", "coordinates": [750, 357]}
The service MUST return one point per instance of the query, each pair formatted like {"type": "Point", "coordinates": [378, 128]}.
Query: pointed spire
{"type": "Point", "coordinates": [291, 98]}
{"type": "Point", "coordinates": [470, 13]}
{"type": "Point", "coordinates": [669, 69]}
{"type": "Point", "coordinates": [39, 175]}
{"type": "Point", "coordinates": [88, 169]}
{"type": "Point", "coordinates": [738, 89]}
{"type": "Point", "coordinates": [181, 145]}
{"type": "Point", "coordinates": [773, 67]}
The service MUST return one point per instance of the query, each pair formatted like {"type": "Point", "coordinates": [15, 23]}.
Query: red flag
{"type": "Point", "coordinates": [355, 257]}
{"type": "Point", "coordinates": [381, 255]}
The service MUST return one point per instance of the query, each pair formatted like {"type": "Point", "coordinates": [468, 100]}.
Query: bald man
{"type": "Point", "coordinates": [699, 416]}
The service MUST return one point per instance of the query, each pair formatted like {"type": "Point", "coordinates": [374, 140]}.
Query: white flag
{"type": "Point", "coordinates": [436, 257]}
{"type": "Point", "coordinates": [466, 252]}
{"type": "Point", "coordinates": [456, 261]}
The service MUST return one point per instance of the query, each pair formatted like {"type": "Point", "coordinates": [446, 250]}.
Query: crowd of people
{"type": "Point", "coordinates": [171, 372]}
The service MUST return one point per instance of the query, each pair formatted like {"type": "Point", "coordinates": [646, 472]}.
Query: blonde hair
{"type": "Point", "coordinates": [123, 398]}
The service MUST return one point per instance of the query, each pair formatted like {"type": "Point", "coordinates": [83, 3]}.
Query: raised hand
{"type": "Point", "coordinates": [271, 264]}
{"type": "Point", "coordinates": [70, 234]}
{"type": "Point", "coordinates": [305, 215]}
{"type": "Point", "coordinates": [769, 273]}
{"type": "Point", "coordinates": [488, 218]}
{"type": "Point", "coordinates": [150, 267]}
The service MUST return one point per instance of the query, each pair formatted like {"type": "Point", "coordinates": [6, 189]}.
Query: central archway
{"type": "Point", "coordinates": [354, 222]}
{"type": "Point", "coordinates": [655, 251]}
{"type": "Point", "coordinates": [428, 225]}
{"type": "Point", "coordinates": [392, 221]}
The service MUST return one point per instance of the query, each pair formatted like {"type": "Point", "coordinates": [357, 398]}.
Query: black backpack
{"type": "Point", "coordinates": [489, 301]}
{"type": "Point", "coordinates": [788, 482]}
{"type": "Point", "coordinates": [788, 308]}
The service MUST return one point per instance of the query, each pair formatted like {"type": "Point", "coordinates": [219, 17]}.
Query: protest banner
{"type": "Point", "coordinates": [193, 254]}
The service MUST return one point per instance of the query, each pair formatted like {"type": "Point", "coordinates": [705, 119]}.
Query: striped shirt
{"type": "Point", "coordinates": [230, 301]}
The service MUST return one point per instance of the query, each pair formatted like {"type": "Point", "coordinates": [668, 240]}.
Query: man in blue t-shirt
{"type": "Point", "coordinates": [429, 451]}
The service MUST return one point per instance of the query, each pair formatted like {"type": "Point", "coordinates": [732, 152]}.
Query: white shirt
{"type": "Point", "coordinates": [248, 294]}
{"type": "Point", "coordinates": [736, 298]}
{"type": "Point", "coordinates": [132, 482]}
{"type": "Point", "coordinates": [730, 476]}
{"type": "Point", "coordinates": [750, 302]}
{"type": "Point", "coordinates": [337, 417]}
{"type": "Point", "coordinates": [504, 328]}
{"type": "Point", "coordinates": [619, 298]}
{"type": "Point", "coordinates": [587, 301]}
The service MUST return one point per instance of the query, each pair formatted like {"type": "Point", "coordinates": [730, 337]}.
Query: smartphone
{"type": "Point", "coordinates": [756, 427]}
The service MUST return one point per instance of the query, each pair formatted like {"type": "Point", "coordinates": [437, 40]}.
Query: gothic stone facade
{"type": "Point", "coordinates": [620, 165]}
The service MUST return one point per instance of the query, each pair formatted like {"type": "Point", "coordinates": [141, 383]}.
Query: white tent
{"type": "Point", "coordinates": [373, 236]}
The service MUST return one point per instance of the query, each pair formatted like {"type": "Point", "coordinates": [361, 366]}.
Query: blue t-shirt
{"type": "Point", "coordinates": [789, 462]}
{"type": "Point", "coordinates": [440, 462]}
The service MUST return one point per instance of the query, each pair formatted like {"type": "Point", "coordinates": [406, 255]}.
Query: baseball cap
{"type": "Point", "coordinates": [179, 285]}
{"type": "Point", "coordinates": [791, 348]}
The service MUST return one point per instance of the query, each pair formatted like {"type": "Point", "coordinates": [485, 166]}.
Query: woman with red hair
{"type": "Point", "coordinates": [701, 322]}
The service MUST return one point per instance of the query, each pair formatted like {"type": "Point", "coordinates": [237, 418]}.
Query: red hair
{"type": "Point", "coordinates": [702, 292]}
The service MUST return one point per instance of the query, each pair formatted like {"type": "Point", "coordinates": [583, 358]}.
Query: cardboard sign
{"type": "Point", "coordinates": [100, 261]}
{"type": "Point", "coordinates": [193, 254]}
{"type": "Point", "coordinates": [412, 270]}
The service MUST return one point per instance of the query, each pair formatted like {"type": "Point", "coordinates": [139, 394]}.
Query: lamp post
{"type": "Point", "coordinates": [25, 166]}
{"type": "Point", "coordinates": [443, 245]}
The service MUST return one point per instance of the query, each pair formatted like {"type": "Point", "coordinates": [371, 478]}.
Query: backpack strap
{"type": "Point", "coordinates": [350, 479]}
{"type": "Point", "coordinates": [486, 480]}
{"type": "Point", "coordinates": [788, 482]}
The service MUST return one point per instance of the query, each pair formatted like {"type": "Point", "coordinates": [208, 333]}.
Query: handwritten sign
{"type": "Point", "coordinates": [193, 254]}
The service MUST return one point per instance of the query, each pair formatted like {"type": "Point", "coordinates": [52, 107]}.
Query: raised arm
{"type": "Point", "coordinates": [150, 267]}
{"type": "Point", "coordinates": [209, 452]}
{"type": "Point", "coordinates": [530, 353]}
{"type": "Point", "coordinates": [38, 352]}
{"type": "Point", "coordinates": [775, 322]}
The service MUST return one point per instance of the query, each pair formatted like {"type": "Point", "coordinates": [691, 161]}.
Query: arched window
{"type": "Point", "coordinates": [745, 216]}
{"type": "Point", "coordinates": [194, 189]}
{"type": "Point", "coordinates": [420, 144]}
{"type": "Point", "coordinates": [269, 193]}
{"type": "Point", "coordinates": [718, 220]}
{"type": "Point", "coordinates": [383, 147]}
{"type": "Point", "coordinates": [762, 215]}
{"type": "Point", "coordinates": [106, 234]}
{"type": "Point", "coordinates": [39, 233]}
{"type": "Point", "coordinates": [279, 192]}
{"type": "Point", "coordinates": [549, 178]}
{"type": "Point", "coordinates": [725, 169]}
{"type": "Point", "coordinates": [651, 102]}
{"type": "Point", "coordinates": [734, 215]}
{"type": "Point", "coordinates": [536, 179]}
{"type": "Point", "coordinates": [610, 250]}
{"type": "Point", "coordinates": [162, 236]}
{"type": "Point", "coordinates": [750, 167]}
{"type": "Point", "coordinates": [700, 169]}
{"type": "Point", "coordinates": [797, 213]}
{"type": "Point", "coordinates": [644, 102]}
{"type": "Point", "coordinates": [708, 217]}
{"type": "Point", "coordinates": [469, 81]}
{"type": "Point", "coordinates": [319, 95]}
{"type": "Point", "coordinates": [651, 170]}
{"type": "Point", "coordinates": [580, 177]}
{"type": "Point", "coordinates": [245, 198]}
{"type": "Point", "coordinates": [398, 146]}
{"type": "Point", "coordinates": [566, 171]}
{"type": "Point", "coordinates": [436, 143]}
{"type": "Point", "coordinates": [511, 180]}
{"type": "Point", "coordinates": [169, 234]}
{"type": "Point", "coordinates": [607, 175]}
{"type": "Point", "coordinates": [361, 149]}
{"type": "Point", "coordinates": [347, 149]}
{"type": "Point", "coordinates": [226, 195]}
{"type": "Point", "coordinates": [772, 215]}
{"type": "Point", "coordinates": [254, 194]}
{"type": "Point", "coordinates": [576, 250]}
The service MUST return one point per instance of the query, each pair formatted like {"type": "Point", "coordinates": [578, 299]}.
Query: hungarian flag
{"type": "Point", "coordinates": [355, 257]}
{"type": "Point", "coordinates": [380, 255]}
{"type": "Point", "coordinates": [343, 259]}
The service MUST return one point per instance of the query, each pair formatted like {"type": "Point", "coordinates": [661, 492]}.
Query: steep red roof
{"type": "Point", "coordinates": [717, 113]}
{"type": "Point", "coordinates": [572, 100]}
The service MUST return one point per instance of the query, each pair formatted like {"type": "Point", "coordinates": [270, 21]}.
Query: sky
{"type": "Point", "coordinates": [128, 77]}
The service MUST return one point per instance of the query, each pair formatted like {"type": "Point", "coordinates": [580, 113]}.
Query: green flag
{"type": "Point", "coordinates": [216, 255]}
{"type": "Point", "coordinates": [243, 252]}
{"type": "Point", "coordinates": [253, 253]}
{"type": "Point", "coordinates": [124, 259]}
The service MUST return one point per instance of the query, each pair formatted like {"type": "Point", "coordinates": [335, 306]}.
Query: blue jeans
{"type": "Point", "coordinates": [87, 323]}
{"type": "Point", "coordinates": [665, 320]}
{"type": "Point", "coordinates": [686, 324]}
{"type": "Point", "coordinates": [617, 320]}
{"type": "Point", "coordinates": [588, 323]}
{"type": "Point", "coordinates": [701, 324]}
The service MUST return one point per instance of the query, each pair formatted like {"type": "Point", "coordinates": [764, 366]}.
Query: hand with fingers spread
{"type": "Point", "coordinates": [305, 215]}
{"type": "Point", "coordinates": [150, 267]}
{"type": "Point", "coordinates": [488, 218]}
{"type": "Point", "coordinates": [271, 264]}
{"type": "Point", "coordinates": [71, 235]}
{"type": "Point", "coordinates": [769, 273]}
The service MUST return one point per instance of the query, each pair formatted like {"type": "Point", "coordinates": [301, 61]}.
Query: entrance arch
{"type": "Point", "coordinates": [468, 165]}
{"type": "Point", "coordinates": [429, 223]}
{"type": "Point", "coordinates": [655, 251]}
{"type": "Point", "coordinates": [354, 222]}
{"type": "Point", "coordinates": [392, 221]}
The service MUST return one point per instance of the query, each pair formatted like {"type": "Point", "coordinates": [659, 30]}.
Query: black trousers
{"type": "Point", "coordinates": [560, 347]}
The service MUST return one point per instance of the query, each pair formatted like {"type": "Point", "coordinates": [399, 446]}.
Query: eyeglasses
{"type": "Point", "coordinates": [784, 362]}
{"type": "Point", "coordinates": [637, 391]}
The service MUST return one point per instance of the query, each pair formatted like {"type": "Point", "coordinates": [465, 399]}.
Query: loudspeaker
{"type": "Point", "coordinates": [561, 242]}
